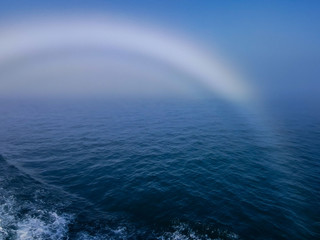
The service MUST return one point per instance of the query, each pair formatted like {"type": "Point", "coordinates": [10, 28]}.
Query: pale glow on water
{"type": "Point", "coordinates": [41, 48]}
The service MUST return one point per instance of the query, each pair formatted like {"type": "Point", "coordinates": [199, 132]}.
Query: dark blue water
{"type": "Point", "coordinates": [158, 170]}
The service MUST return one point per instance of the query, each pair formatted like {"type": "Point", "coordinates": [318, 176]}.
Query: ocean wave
{"type": "Point", "coordinates": [25, 223]}
{"type": "Point", "coordinates": [32, 210]}
{"type": "Point", "coordinates": [184, 231]}
{"type": "Point", "coordinates": [178, 231]}
{"type": "Point", "coordinates": [54, 227]}
{"type": "Point", "coordinates": [119, 233]}
{"type": "Point", "coordinates": [18, 224]}
{"type": "Point", "coordinates": [28, 210]}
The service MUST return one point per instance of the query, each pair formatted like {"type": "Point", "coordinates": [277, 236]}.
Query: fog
{"type": "Point", "coordinates": [237, 52]}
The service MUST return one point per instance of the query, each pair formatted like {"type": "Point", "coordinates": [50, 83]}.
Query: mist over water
{"type": "Point", "coordinates": [186, 169]}
{"type": "Point", "coordinates": [167, 120]}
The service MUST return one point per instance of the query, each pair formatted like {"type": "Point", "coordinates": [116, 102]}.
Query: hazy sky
{"type": "Point", "coordinates": [275, 45]}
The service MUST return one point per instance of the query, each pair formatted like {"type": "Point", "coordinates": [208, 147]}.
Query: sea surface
{"type": "Point", "coordinates": [158, 169]}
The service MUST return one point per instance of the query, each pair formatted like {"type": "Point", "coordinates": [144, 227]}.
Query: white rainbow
{"type": "Point", "coordinates": [41, 35]}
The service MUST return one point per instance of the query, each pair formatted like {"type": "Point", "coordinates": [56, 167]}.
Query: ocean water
{"type": "Point", "coordinates": [179, 169]}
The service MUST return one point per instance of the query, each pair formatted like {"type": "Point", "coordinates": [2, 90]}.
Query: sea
{"type": "Point", "coordinates": [173, 169]}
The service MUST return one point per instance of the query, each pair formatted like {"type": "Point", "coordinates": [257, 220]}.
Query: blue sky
{"type": "Point", "coordinates": [275, 42]}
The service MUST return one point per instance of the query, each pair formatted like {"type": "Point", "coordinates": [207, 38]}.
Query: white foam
{"type": "Point", "coordinates": [7, 218]}
{"type": "Point", "coordinates": [40, 225]}
{"type": "Point", "coordinates": [183, 231]}
{"type": "Point", "coordinates": [55, 227]}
